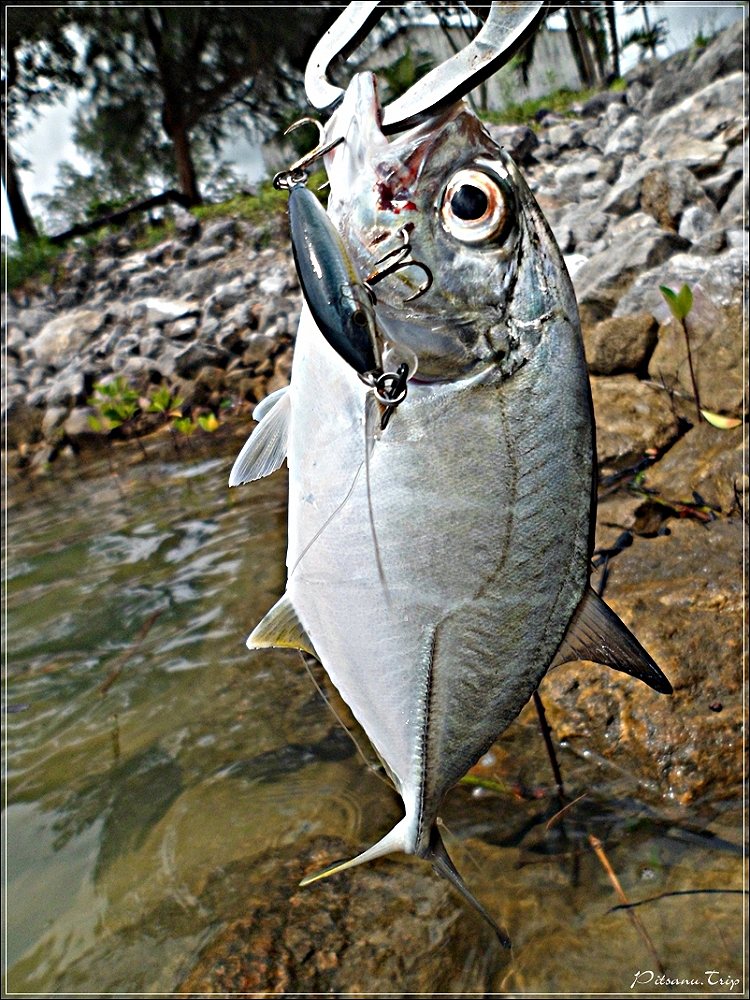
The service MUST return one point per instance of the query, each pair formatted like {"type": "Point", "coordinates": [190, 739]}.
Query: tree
{"type": "Point", "coordinates": [196, 72]}
{"type": "Point", "coordinates": [38, 67]}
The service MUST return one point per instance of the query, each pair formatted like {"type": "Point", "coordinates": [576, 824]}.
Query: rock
{"type": "Point", "coordinates": [181, 329]}
{"type": "Point", "coordinates": [159, 311]}
{"type": "Point", "coordinates": [221, 231]}
{"type": "Point", "coordinates": [22, 421]}
{"type": "Point", "coordinates": [566, 135]}
{"type": "Point", "coordinates": [632, 418]}
{"type": "Point", "coordinates": [197, 355]}
{"type": "Point", "coordinates": [716, 349]}
{"type": "Point", "coordinates": [686, 131]}
{"type": "Point", "coordinates": [228, 295]}
{"type": "Point", "coordinates": [620, 344]}
{"type": "Point", "coordinates": [66, 388]}
{"type": "Point", "coordinates": [77, 425]}
{"type": "Point", "coordinates": [52, 422]}
{"type": "Point", "coordinates": [519, 140]}
{"type": "Point", "coordinates": [670, 590]}
{"type": "Point", "coordinates": [719, 186]}
{"type": "Point", "coordinates": [603, 102]}
{"type": "Point", "coordinates": [626, 138]}
{"type": "Point", "coordinates": [720, 279]}
{"type": "Point", "coordinates": [31, 321]}
{"type": "Point", "coordinates": [696, 221]}
{"type": "Point", "coordinates": [274, 285]}
{"type": "Point", "coordinates": [62, 338]}
{"type": "Point", "coordinates": [340, 938]}
{"type": "Point", "coordinates": [668, 190]}
{"type": "Point", "coordinates": [258, 348]}
{"type": "Point", "coordinates": [724, 56]}
{"type": "Point", "coordinates": [603, 280]}
{"type": "Point", "coordinates": [187, 225]}
{"type": "Point", "coordinates": [199, 256]}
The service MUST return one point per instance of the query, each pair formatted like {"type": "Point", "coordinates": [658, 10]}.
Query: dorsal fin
{"type": "Point", "coordinates": [265, 449]}
{"type": "Point", "coordinates": [596, 633]}
{"type": "Point", "coordinates": [281, 627]}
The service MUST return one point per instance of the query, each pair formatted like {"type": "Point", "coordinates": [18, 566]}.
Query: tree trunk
{"type": "Point", "coordinates": [186, 175]}
{"type": "Point", "coordinates": [19, 210]}
{"type": "Point", "coordinates": [613, 41]}
{"type": "Point", "coordinates": [579, 44]}
{"type": "Point", "coordinates": [172, 114]}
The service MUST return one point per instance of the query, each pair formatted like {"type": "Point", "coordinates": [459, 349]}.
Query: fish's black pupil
{"type": "Point", "coordinates": [469, 202]}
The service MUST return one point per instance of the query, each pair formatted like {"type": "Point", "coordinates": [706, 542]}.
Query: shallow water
{"type": "Point", "coordinates": [148, 752]}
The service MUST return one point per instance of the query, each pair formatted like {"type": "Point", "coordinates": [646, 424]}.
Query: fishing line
{"type": "Point", "coordinates": [373, 768]}
{"type": "Point", "coordinates": [371, 412]}
{"type": "Point", "coordinates": [325, 524]}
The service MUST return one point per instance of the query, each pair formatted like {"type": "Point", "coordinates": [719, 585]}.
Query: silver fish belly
{"type": "Point", "coordinates": [438, 568]}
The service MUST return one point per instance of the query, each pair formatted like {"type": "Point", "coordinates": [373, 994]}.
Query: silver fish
{"type": "Point", "coordinates": [438, 568]}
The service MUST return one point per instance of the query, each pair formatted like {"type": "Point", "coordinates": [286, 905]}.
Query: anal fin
{"type": "Point", "coordinates": [596, 633]}
{"type": "Point", "coordinates": [442, 864]}
{"type": "Point", "coordinates": [281, 627]}
{"type": "Point", "coordinates": [265, 449]}
{"type": "Point", "coordinates": [395, 840]}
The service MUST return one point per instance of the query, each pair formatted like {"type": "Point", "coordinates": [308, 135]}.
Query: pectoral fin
{"type": "Point", "coordinates": [596, 633]}
{"type": "Point", "coordinates": [265, 449]}
{"type": "Point", "coordinates": [281, 628]}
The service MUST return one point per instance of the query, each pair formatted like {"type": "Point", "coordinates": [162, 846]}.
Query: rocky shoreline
{"type": "Point", "coordinates": [641, 189]}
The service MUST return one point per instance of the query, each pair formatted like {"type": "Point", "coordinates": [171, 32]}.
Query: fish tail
{"type": "Point", "coordinates": [395, 840]}
{"type": "Point", "coordinates": [436, 853]}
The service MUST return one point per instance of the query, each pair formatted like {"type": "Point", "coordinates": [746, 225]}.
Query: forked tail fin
{"type": "Point", "coordinates": [436, 853]}
{"type": "Point", "coordinates": [396, 840]}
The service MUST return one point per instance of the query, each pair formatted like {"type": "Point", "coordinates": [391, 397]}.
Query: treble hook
{"type": "Point", "coordinates": [402, 260]}
{"type": "Point", "coordinates": [297, 172]}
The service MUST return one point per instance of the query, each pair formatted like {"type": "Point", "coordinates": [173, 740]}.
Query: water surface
{"type": "Point", "coordinates": [149, 754]}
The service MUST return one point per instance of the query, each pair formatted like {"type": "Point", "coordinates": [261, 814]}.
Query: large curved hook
{"type": "Point", "coordinates": [508, 26]}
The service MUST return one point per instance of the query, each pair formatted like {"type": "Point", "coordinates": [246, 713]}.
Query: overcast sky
{"type": "Point", "coordinates": [49, 141]}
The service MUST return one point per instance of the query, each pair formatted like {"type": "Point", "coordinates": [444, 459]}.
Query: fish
{"type": "Point", "coordinates": [439, 566]}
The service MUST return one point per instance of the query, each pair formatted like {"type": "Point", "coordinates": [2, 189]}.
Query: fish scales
{"type": "Point", "coordinates": [439, 567]}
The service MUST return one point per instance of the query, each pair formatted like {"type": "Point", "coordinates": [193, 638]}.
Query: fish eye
{"type": "Point", "coordinates": [475, 207]}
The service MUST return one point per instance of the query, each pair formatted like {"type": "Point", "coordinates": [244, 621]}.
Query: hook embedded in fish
{"type": "Point", "coordinates": [491, 455]}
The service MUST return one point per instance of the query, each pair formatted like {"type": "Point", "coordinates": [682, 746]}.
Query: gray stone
{"type": "Point", "coordinates": [519, 140]}
{"type": "Point", "coordinates": [274, 284]}
{"type": "Point", "coordinates": [713, 241]}
{"type": "Point", "coordinates": [734, 208]}
{"type": "Point", "coordinates": [197, 356]}
{"type": "Point", "coordinates": [625, 196]}
{"type": "Point", "coordinates": [720, 279]}
{"type": "Point", "coordinates": [187, 225]}
{"type": "Point", "coordinates": [719, 186]}
{"type": "Point", "coordinates": [52, 421]}
{"type": "Point", "coordinates": [626, 138]}
{"type": "Point", "coordinates": [737, 239]}
{"type": "Point", "coordinates": [221, 231]}
{"type": "Point", "coordinates": [574, 173]}
{"type": "Point", "coordinates": [596, 188]}
{"type": "Point", "coordinates": [77, 424]}
{"type": "Point", "coordinates": [603, 280]}
{"type": "Point", "coordinates": [230, 294]}
{"type": "Point", "coordinates": [181, 329]}
{"type": "Point", "coordinates": [65, 389]}
{"type": "Point", "coordinates": [667, 191]}
{"type": "Point", "coordinates": [32, 320]}
{"type": "Point", "coordinates": [258, 348]}
{"type": "Point", "coordinates": [567, 135]}
{"type": "Point", "coordinates": [62, 338]}
{"type": "Point", "coordinates": [696, 221]}
{"type": "Point", "coordinates": [604, 102]}
{"type": "Point", "coordinates": [158, 311]}
{"type": "Point", "coordinates": [199, 256]}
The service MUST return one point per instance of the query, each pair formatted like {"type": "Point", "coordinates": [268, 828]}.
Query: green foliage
{"type": "Point", "coordinates": [680, 303]}
{"type": "Point", "coordinates": [560, 101]}
{"type": "Point", "coordinates": [115, 403]}
{"type": "Point", "coordinates": [29, 258]}
{"type": "Point", "coordinates": [401, 73]}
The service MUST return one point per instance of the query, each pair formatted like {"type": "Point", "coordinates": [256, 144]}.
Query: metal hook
{"type": "Point", "coordinates": [507, 28]}
{"type": "Point", "coordinates": [297, 172]}
{"type": "Point", "coordinates": [402, 260]}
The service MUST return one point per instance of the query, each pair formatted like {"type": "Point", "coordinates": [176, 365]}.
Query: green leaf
{"type": "Point", "coordinates": [95, 423]}
{"type": "Point", "coordinates": [680, 303]}
{"type": "Point", "coordinates": [208, 422]}
{"type": "Point", "coordinates": [184, 425]}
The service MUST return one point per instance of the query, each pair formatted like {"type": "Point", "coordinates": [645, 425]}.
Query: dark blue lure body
{"type": "Point", "coordinates": [338, 300]}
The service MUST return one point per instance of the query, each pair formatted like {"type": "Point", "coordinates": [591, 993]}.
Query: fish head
{"type": "Point", "coordinates": [446, 187]}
